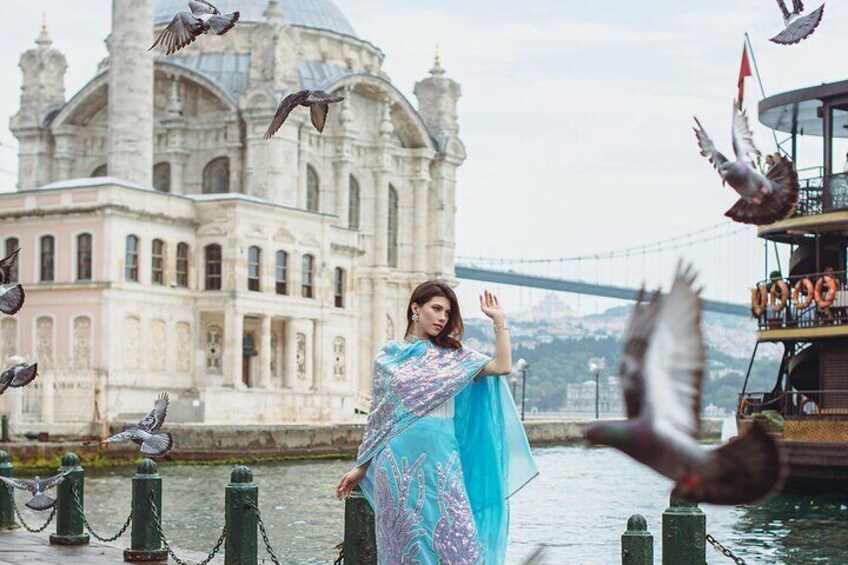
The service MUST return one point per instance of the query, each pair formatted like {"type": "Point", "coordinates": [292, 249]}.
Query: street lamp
{"type": "Point", "coordinates": [596, 365]}
{"type": "Point", "coordinates": [522, 366]}
{"type": "Point", "coordinates": [513, 382]}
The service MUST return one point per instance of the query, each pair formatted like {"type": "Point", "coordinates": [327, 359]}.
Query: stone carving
{"type": "Point", "coordinates": [214, 337]}
{"type": "Point", "coordinates": [44, 342]}
{"type": "Point", "coordinates": [82, 343]}
{"type": "Point", "coordinates": [131, 341]}
{"type": "Point", "coordinates": [157, 345]}
{"type": "Point", "coordinates": [339, 357]}
{"type": "Point", "coordinates": [8, 339]}
{"type": "Point", "coordinates": [301, 356]}
{"type": "Point", "coordinates": [183, 347]}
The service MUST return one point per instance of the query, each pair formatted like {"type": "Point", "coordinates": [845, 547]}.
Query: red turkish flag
{"type": "Point", "coordinates": [744, 71]}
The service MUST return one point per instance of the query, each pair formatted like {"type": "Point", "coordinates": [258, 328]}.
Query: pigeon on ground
{"type": "Point", "coordinates": [18, 375]}
{"type": "Point", "coordinates": [11, 298]}
{"type": "Point", "coordinates": [8, 265]}
{"type": "Point", "coordinates": [146, 432]}
{"type": "Point", "coordinates": [317, 101]}
{"type": "Point", "coordinates": [764, 198]}
{"type": "Point", "coordinates": [187, 26]}
{"type": "Point", "coordinates": [37, 486]}
{"type": "Point", "coordinates": [797, 27]}
{"type": "Point", "coordinates": [661, 370]}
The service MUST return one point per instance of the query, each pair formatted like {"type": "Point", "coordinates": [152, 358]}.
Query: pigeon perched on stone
{"type": "Point", "coordinates": [797, 27]}
{"type": "Point", "coordinates": [662, 370]}
{"type": "Point", "coordinates": [11, 298]}
{"type": "Point", "coordinates": [146, 432]}
{"type": "Point", "coordinates": [764, 198]}
{"type": "Point", "coordinates": [37, 486]}
{"type": "Point", "coordinates": [187, 26]}
{"type": "Point", "coordinates": [317, 101]}
{"type": "Point", "coordinates": [7, 265]}
{"type": "Point", "coordinates": [18, 375]}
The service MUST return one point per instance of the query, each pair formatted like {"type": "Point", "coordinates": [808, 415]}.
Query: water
{"type": "Point", "coordinates": [579, 506]}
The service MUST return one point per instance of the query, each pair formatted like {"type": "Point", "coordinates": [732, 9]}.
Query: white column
{"type": "Point", "coordinates": [233, 347]}
{"type": "Point", "coordinates": [265, 353]}
{"type": "Point", "coordinates": [381, 218]}
{"type": "Point", "coordinates": [419, 247]}
{"type": "Point", "coordinates": [309, 330]}
{"type": "Point", "coordinates": [47, 391]}
{"type": "Point", "coordinates": [290, 355]}
{"type": "Point", "coordinates": [342, 169]}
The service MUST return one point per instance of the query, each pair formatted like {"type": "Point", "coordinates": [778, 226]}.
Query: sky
{"type": "Point", "coordinates": [576, 118]}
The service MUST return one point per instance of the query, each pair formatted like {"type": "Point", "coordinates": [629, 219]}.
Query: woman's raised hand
{"type": "Point", "coordinates": [349, 482]}
{"type": "Point", "coordinates": [490, 307]}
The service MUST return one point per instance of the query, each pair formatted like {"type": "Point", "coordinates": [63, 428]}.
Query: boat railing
{"type": "Point", "coordinates": [796, 403]}
{"type": "Point", "coordinates": [807, 300]}
{"type": "Point", "coordinates": [825, 193]}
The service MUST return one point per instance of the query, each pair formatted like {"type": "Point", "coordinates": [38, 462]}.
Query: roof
{"type": "Point", "coordinates": [797, 111]}
{"type": "Point", "coordinates": [318, 14]}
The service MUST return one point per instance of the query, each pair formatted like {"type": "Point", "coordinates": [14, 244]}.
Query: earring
{"type": "Point", "coordinates": [414, 317]}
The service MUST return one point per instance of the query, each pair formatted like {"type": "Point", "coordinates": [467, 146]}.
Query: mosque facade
{"type": "Point", "coordinates": [167, 246]}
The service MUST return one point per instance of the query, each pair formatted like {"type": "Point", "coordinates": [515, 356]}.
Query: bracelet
{"type": "Point", "coordinates": [498, 327]}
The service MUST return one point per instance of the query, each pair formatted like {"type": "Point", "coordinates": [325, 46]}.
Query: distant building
{"type": "Point", "coordinates": [580, 397]}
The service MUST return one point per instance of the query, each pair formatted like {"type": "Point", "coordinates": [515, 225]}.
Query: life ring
{"type": "Point", "coordinates": [779, 295]}
{"type": "Point", "coordinates": [809, 292]}
{"type": "Point", "coordinates": [759, 298]}
{"type": "Point", "coordinates": [804, 403]}
{"type": "Point", "coordinates": [826, 301]}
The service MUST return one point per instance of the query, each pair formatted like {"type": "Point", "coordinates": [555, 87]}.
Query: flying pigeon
{"type": "Point", "coordinates": [146, 432]}
{"type": "Point", "coordinates": [798, 27]}
{"type": "Point", "coordinates": [11, 298]}
{"type": "Point", "coordinates": [37, 486]}
{"type": "Point", "coordinates": [661, 371]}
{"type": "Point", "coordinates": [764, 198]}
{"type": "Point", "coordinates": [7, 264]}
{"type": "Point", "coordinates": [187, 26]}
{"type": "Point", "coordinates": [18, 375]}
{"type": "Point", "coordinates": [317, 101]}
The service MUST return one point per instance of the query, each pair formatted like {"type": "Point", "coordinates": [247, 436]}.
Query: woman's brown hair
{"type": "Point", "coordinates": [452, 332]}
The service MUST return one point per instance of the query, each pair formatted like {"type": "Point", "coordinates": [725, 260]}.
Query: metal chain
{"type": "Point", "coordinates": [268, 547]}
{"type": "Point", "coordinates": [340, 559]}
{"type": "Point", "coordinates": [27, 526]}
{"type": "Point", "coordinates": [726, 552]}
{"type": "Point", "coordinates": [88, 527]}
{"type": "Point", "coordinates": [157, 521]}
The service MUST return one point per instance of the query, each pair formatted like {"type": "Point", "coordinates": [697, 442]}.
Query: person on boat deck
{"type": "Point", "coordinates": [443, 448]}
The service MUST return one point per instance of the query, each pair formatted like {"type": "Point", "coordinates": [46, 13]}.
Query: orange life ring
{"type": "Point", "coordinates": [809, 292]}
{"type": "Point", "coordinates": [759, 298]}
{"type": "Point", "coordinates": [826, 301]}
{"type": "Point", "coordinates": [779, 295]}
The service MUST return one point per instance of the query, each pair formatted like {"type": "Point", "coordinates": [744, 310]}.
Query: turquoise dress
{"type": "Point", "coordinates": [446, 451]}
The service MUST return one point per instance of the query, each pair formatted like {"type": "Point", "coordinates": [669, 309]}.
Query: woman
{"type": "Point", "coordinates": [443, 448]}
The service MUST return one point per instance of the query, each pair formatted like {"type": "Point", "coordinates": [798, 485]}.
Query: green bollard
{"type": "Point", "coordinates": [146, 542]}
{"type": "Point", "coordinates": [684, 533]}
{"type": "Point", "coordinates": [4, 428]}
{"type": "Point", "coordinates": [7, 501]}
{"type": "Point", "coordinates": [240, 547]}
{"type": "Point", "coordinates": [69, 523]}
{"type": "Point", "coordinates": [637, 543]}
{"type": "Point", "coordinates": [360, 540]}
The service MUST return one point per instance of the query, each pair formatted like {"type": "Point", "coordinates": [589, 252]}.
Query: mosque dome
{"type": "Point", "coordinates": [318, 14]}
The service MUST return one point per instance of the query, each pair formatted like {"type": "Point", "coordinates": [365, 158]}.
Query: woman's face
{"type": "Point", "coordinates": [433, 316]}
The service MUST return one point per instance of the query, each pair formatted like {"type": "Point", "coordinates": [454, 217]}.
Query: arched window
{"type": "Point", "coordinates": [392, 235]}
{"type": "Point", "coordinates": [131, 259]}
{"type": "Point", "coordinates": [48, 256]}
{"type": "Point", "coordinates": [312, 191]}
{"type": "Point", "coordinates": [12, 244]}
{"type": "Point", "coordinates": [100, 171]}
{"type": "Point", "coordinates": [216, 176]}
{"type": "Point", "coordinates": [254, 267]}
{"type": "Point", "coordinates": [353, 205]}
{"type": "Point", "coordinates": [213, 266]}
{"type": "Point", "coordinates": [281, 272]}
{"type": "Point", "coordinates": [162, 177]}
{"type": "Point", "coordinates": [84, 257]}
{"type": "Point", "coordinates": [307, 285]}
{"type": "Point", "coordinates": [182, 265]}
{"type": "Point", "coordinates": [157, 262]}
{"type": "Point", "coordinates": [339, 287]}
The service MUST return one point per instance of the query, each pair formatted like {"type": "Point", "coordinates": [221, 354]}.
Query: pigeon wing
{"type": "Point", "coordinates": [674, 362]}
{"type": "Point", "coordinates": [707, 146]}
{"type": "Point", "coordinates": [24, 376]}
{"type": "Point", "coordinates": [6, 378]}
{"type": "Point", "coordinates": [55, 479]}
{"type": "Point", "coordinates": [318, 113]}
{"type": "Point", "coordinates": [12, 300]}
{"type": "Point", "coordinates": [285, 108]}
{"type": "Point", "coordinates": [319, 96]}
{"type": "Point", "coordinates": [153, 421]}
{"type": "Point", "coordinates": [22, 484]}
{"type": "Point", "coordinates": [222, 24]}
{"type": "Point", "coordinates": [743, 137]}
{"type": "Point", "coordinates": [800, 29]}
{"type": "Point", "coordinates": [157, 445]}
{"type": "Point", "coordinates": [632, 359]}
{"type": "Point", "coordinates": [7, 264]}
{"type": "Point", "coordinates": [182, 31]}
